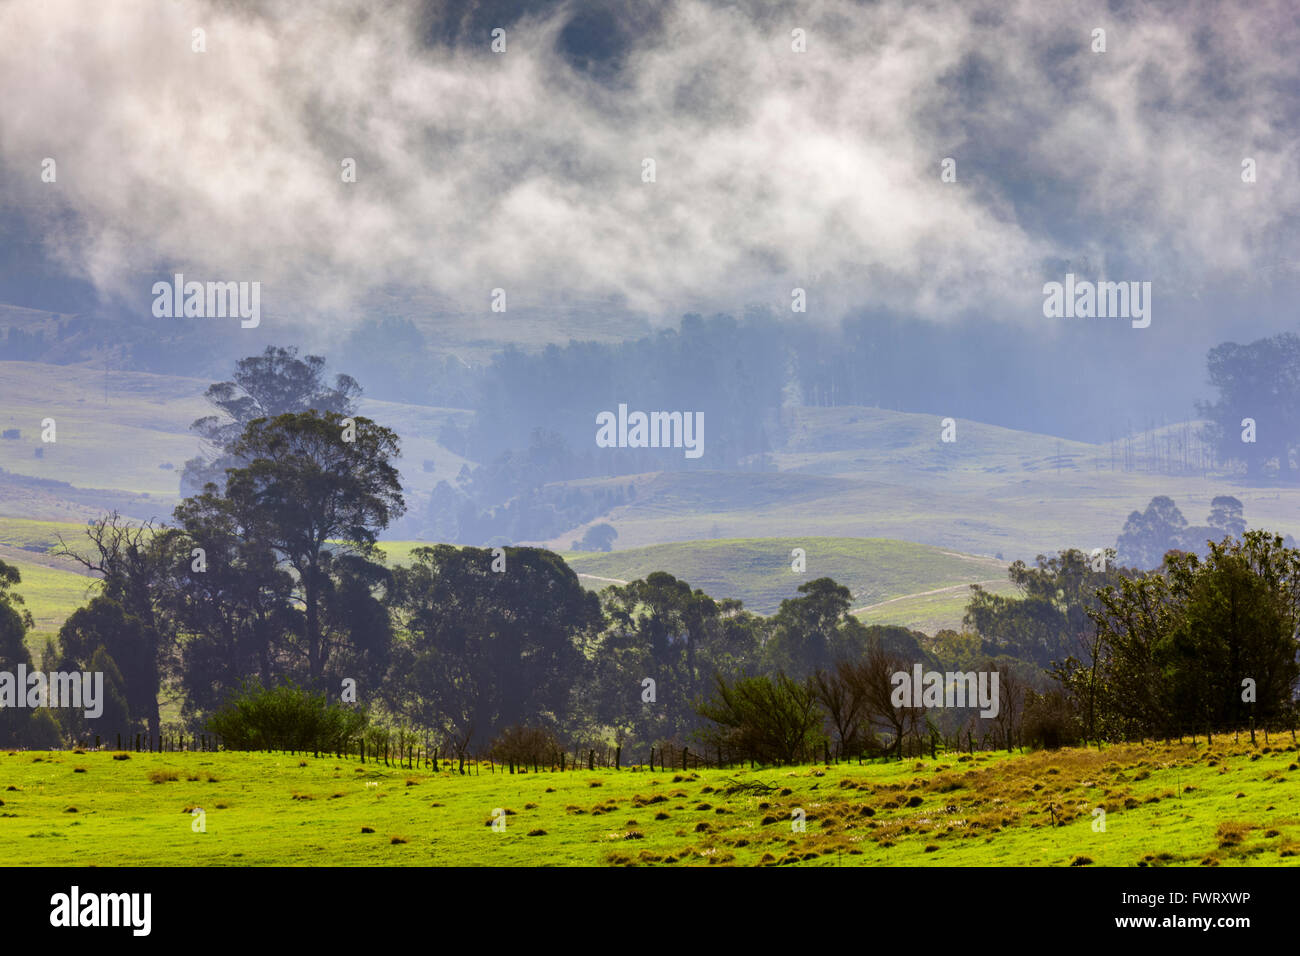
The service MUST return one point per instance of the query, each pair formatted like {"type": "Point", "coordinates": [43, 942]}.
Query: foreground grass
{"type": "Point", "coordinates": [1165, 805]}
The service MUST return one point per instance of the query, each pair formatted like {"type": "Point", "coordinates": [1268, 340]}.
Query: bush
{"type": "Point", "coordinates": [284, 718]}
{"type": "Point", "coordinates": [771, 719]}
{"type": "Point", "coordinates": [524, 745]}
{"type": "Point", "coordinates": [1050, 721]}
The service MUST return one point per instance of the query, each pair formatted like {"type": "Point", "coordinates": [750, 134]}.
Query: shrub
{"type": "Point", "coordinates": [772, 719]}
{"type": "Point", "coordinates": [284, 718]}
{"type": "Point", "coordinates": [1049, 721]}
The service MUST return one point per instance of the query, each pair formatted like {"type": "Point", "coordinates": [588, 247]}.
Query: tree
{"type": "Point", "coordinates": [284, 717]}
{"type": "Point", "coordinates": [1122, 691]}
{"type": "Point", "coordinates": [274, 383]}
{"type": "Point", "coordinates": [116, 711]}
{"type": "Point", "coordinates": [1049, 620]}
{"type": "Point", "coordinates": [659, 628]}
{"type": "Point", "coordinates": [814, 630]}
{"type": "Point", "coordinates": [229, 601]}
{"type": "Point", "coordinates": [872, 681]}
{"type": "Point", "coordinates": [15, 621]}
{"type": "Point", "coordinates": [599, 537]}
{"type": "Point", "coordinates": [1148, 535]}
{"type": "Point", "coordinates": [1259, 381]}
{"type": "Point", "coordinates": [1177, 645]}
{"type": "Point", "coordinates": [1240, 610]}
{"type": "Point", "coordinates": [1227, 514]}
{"type": "Point", "coordinates": [1011, 700]}
{"type": "Point", "coordinates": [315, 486]}
{"type": "Point", "coordinates": [486, 649]}
{"type": "Point", "coordinates": [123, 616]}
{"type": "Point", "coordinates": [105, 625]}
{"type": "Point", "coordinates": [839, 694]}
{"type": "Point", "coordinates": [774, 719]}
{"type": "Point", "coordinates": [1050, 721]}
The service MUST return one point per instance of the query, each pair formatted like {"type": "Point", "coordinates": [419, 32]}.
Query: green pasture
{"type": "Point", "coordinates": [1180, 805]}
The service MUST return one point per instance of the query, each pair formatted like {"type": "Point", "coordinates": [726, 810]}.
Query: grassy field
{"type": "Point", "coordinates": [1177, 805]}
{"type": "Point", "coordinates": [758, 571]}
{"type": "Point", "coordinates": [930, 613]}
{"type": "Point", "coordinates": [51, 594]}
{"type": "Point", "coordinates": [38, 536]}
{"type": "Point", "coordinates": [51, 588]}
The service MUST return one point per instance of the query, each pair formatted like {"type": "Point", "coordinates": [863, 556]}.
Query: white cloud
{"type": "Point", "coordinates": [775, 169]}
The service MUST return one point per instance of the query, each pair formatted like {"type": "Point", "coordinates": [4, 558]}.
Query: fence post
{"type": "Point", "coordinates": [686, 759]}
{"type": "Point", "coordinates": [591, 759]}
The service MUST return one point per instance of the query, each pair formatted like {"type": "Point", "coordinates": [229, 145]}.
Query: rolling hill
{"type": "Point", "coordinates": [844, 472]}
{"type": "Point", "coordinates": [888, 579]}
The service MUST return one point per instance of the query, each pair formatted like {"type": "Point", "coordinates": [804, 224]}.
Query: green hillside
{"type": "Point", "coordinates": [758, 570]}
{"type": "Point", "coordinates": [888, 578]}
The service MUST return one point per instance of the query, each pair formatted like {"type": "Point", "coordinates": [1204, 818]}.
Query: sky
{"type": "Point", "coordinates": [774, 168]}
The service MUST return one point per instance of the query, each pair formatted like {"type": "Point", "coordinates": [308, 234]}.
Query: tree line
{"type": "Point", "coordinates": [272, 578]}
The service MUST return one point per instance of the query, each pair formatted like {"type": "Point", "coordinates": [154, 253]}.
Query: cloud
{"type": "Point", "coordinates": [774, 169]}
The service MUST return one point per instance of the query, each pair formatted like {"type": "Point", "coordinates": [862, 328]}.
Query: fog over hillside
{"type": "Point", "coordinates": [773, 170]}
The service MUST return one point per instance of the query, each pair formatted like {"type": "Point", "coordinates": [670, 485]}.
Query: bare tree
{"type": "Point", "coordinates": [837, 692]}
{"type": "Point", "coordinates": [872, 680]}
{"type": "Point", "coordinates": [1011, 704]}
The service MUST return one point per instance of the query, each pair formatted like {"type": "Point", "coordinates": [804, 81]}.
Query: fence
{"type": "Point", "coordinates": [408, 752]}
